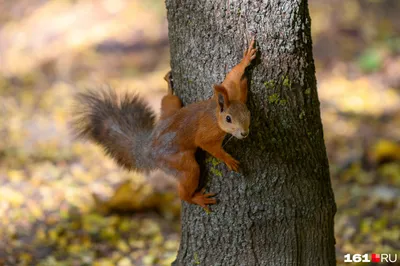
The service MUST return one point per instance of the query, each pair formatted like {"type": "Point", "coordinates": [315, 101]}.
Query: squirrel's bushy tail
{"type": "Point", "coordinates": [122, 125]}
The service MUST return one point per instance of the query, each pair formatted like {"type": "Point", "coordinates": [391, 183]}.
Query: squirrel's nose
{"type": "Point", "coordinates": [244, 134]}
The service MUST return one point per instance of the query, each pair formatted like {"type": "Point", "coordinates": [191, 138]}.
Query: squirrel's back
{"type": "Point", "coordinates": [122, 125]}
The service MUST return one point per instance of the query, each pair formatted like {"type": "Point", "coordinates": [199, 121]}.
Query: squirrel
{"type": "Point", "coordinates": [126, 128]}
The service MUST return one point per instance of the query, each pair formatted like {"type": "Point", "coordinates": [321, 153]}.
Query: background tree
{"type": "Point", "coordinates": [279, 210]}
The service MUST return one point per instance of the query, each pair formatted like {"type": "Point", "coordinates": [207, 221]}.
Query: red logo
{"type": "Point", "coordinates": [376, 258]}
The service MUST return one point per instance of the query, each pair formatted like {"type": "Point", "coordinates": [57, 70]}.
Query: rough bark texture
{"type": "Point", "coordinates": [279, 210]}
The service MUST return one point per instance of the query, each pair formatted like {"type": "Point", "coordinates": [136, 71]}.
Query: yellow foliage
{"type": "Point", "coordinates": [385, 149]}
{"type": "Point", "coordinates": [11, 196]}
{"type": "Point", "coordinates": [358, 96]}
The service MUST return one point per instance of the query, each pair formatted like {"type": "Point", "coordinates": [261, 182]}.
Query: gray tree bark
{"type": "Point", "coordinates": [279, 210]}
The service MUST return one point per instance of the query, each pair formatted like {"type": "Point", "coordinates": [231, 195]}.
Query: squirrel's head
{"type": "Point", "coordinates": [233, 116]}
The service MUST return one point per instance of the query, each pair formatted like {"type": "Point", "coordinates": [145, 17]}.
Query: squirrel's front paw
{"type": "Point", "coordinates": [232, 164]}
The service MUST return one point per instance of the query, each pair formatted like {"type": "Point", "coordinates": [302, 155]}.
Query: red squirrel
{"type": "Point", "coordinates": [125, 127]}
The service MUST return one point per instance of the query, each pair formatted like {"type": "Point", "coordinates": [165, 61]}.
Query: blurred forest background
{"type": "Point", "coordinates": [62, 202]}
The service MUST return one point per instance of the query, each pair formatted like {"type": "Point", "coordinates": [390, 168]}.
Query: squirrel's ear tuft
{"type": "Point", "coordinates": [222, 97]}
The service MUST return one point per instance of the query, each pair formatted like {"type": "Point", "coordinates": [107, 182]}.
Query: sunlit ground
{"type": "Point", "coordinates": [63, 203]}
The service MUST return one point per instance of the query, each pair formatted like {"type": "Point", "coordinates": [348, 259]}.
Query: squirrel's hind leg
{"type": "Point", "coordinates": [187, 186]}
{"type": "Point", "coordinates": [170, 103]}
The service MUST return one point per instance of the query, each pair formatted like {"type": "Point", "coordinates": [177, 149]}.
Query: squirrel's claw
{"type": "Point", "coordinates": [250, 53]}
{"type": "Point", "coordinates": [232, 164]}
{"type": "Point", "coordinates": [169, 80]}
{"type": "Point", "coordinates": [204, 199]}
{"type": "Point", "coordinates": [168, 76]}
{"type": "Point", "coordinates": [252, 43]}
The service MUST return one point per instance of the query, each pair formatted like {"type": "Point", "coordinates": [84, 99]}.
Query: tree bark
{"type": "Point", "coordinates": [279, 209]}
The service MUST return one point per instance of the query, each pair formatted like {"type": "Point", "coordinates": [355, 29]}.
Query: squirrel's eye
{"type": "Point", "coordinates": [228, 119]}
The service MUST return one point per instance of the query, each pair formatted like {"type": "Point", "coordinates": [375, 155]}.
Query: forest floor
{"type": "Point", "coordinates": [62, 202]}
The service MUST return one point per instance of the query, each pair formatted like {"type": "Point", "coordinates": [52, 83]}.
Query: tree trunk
{"type": "Point", "coordinates": [279, 210]}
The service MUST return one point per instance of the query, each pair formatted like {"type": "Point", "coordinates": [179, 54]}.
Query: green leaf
{"type": "Point", "coordinates": [370, 60]}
